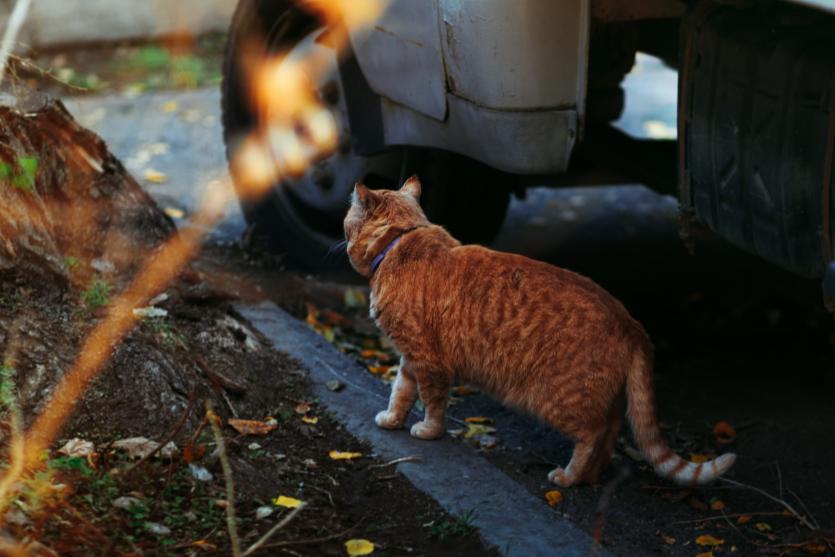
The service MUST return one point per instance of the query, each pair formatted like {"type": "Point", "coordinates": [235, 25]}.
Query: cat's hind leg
{"type": "Point", "coordinates": [580, 458]}
{"type": "Point", "coordinates": [404, 392]}
{"type": "Point", "coordinates": [434, 393]}
{"type": "Point", "coordinates": [606, 446]}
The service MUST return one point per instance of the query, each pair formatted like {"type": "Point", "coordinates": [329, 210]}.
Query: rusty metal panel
{"type": "Point", "coordinates": [400, 56]}
{"type": "Point", "coordinates": [524, 54]}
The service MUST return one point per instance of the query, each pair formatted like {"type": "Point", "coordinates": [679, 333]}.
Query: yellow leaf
{"type": "Point", "coordinates": [744, 519]}
{"type": "Point", "coordinates": [155, 176]}
{"type": "Point", "coordinates": [310, 419]}
{"type": "Point", "coordinates": [474, 430]}
{"type": "Point", "coordinates": [251, 427]}
{"type": "Point", "coordinates": [339, 455]}
{"type": "Point", "coordinates": [478, 420]}
{"type": "Point", "coordinates": [717, 505]}
{"type": "Point", "coordinates": [174, 213]}
{"type": "Point", "coordinates": [698, 458]}
{"type": "Point", "coordinates": [204, 545]}
{"type": "Point", "coordinates": [170, 106]}
{"type": "Point", "coordinates": [287, 502]}
{"type": "Point", "coordinates": [724, 433]}
{"type": "Point", "coordinates": [378, 370]}
{"type": "Point", "coordinates": [553, 497]}
{"type": "Point", "coordinates": [359, 547]}
{"type": "Point", "coordinates": [763, 526]}
{"type": "Point", "coordinates": [708, 540]}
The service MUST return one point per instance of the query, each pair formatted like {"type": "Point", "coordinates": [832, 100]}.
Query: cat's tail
{"type": "Point", "coordinates": [640, 393]}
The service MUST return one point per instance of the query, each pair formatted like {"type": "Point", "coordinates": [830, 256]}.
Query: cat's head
{"type": "Point", "coordinates": [377, 217]}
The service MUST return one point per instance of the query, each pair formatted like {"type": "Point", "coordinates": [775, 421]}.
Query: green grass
{"type": "Point", "coordinates": [97, 294]}
{"type": "Point", "coordinates": [461, 525]}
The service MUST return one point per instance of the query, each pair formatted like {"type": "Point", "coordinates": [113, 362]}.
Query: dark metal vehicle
{"type": "Point", "coordinates": [485, 97]}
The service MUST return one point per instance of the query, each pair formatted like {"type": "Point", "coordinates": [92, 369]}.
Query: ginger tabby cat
{"type": "Point", "coordinates": [540, 338]}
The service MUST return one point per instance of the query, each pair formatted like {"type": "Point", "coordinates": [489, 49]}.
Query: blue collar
{"type": "Point", "coordinates": [380, 256]}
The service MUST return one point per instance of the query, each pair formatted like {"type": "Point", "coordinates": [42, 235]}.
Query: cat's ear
{"type": "Point", "coordinates": [412, 187]}
{"type": "Point", "coordinates": [363, 197]}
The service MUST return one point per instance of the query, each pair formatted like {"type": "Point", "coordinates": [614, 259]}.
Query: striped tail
{"type": "Point", "coordinates": [640, 393]}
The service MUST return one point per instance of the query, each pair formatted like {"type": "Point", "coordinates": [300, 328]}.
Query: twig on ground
{"type": "Point", "coordinates": [413, 458]}
{"type": "Point", "coordinates": [234, 541]}
{"type": "Point", "coordinates": [312, 540]}
{"type": "Point", "coordinates": [783, 503]}
{"type": "Point", "coordinates": [271, 532]}
{"type": "Point", "coordinates": [168, 438]}
{"type": "Point", "coordinates": [805, 508]}
{"type": "Point", "coordinates": [779, 479]}
{"type": "Point", "coordinates": [734, 515]}
{"type": "Point", "coordinates": [326, 492]}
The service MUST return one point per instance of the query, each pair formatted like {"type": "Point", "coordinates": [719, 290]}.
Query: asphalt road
{"type": "Point", "coordinates": [736, 339]}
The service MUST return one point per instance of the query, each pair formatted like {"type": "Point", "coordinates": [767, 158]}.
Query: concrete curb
{"type": "Point", "coordinates": [509, 518]}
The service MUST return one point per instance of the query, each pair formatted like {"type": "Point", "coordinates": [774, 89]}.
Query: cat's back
{"type": "Point", "coordinates": [534, 287]}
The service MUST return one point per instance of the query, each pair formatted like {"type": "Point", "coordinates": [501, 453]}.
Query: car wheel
{"type": "Point", "coordinates": [301, 218]}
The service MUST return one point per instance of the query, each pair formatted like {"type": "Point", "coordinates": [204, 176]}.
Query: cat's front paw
{"type": "Point", "coordinates": [387, 420]}
{"type": "Point", "coordinates": [427, 431]}
{"type": "Point", "coordinates": [561, 477]}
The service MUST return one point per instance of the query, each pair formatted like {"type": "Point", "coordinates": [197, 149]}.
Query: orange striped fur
{"type": "Point", "coordinates": [540, 338]}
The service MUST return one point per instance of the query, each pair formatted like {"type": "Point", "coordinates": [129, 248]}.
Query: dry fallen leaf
{"type": "Point", "coordinates": [77, 447]}
{"type": "Point", "coordinates": [724, 433]}
{"type": "Point", "coordinates": [763, 526]}
{"type": "Point", "coordinates": [170, 106]}
{"type": "Point", "coordinates": [698, 458]}
{"type": "Point", "coordinates": [553, 497]}
{"type": "Point", "coordinates": [814, 548]}
{"type": "Point", "coordinates": [204, 545]}
{"type": "Point", "coordinates": [370, 354]}
{"type": "Point", "coordinates": [717, 504]}
{"type": "Point", "coordinates": [340, 455]}
{"type": "Point", "coordinates": [251, 427]}
{"type": "Point", "coordinates": [379, 370]}
{"type": "Point", "coordinates": [302, 407]}
{"type": "Point", "coordinates": [705, 554]}
{"type": "Point", "coordinates": [744, 519]}
{"type": "Point", "coordinates": [310, 419]}
{"type": "Point", "coordinates": [708, 540]}
{"type": "Point", "coordinates": [669, 540]}
{"type": "Point", "coordinates": [287, 502]}
{"type": "Point", "coordinates": [155, 176]}
{"type": "Point", "coordinates": [359, 547]}
{"type": "Point", "coordinates": [479, 420]}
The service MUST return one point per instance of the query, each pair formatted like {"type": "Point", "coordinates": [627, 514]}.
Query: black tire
{"type": "Point", "coordinates": [287, 225]}
{"type": "Point", "coordinates": [467, 197]}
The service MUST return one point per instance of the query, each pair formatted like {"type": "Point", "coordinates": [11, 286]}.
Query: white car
{"type": "Point", "coordinates": [482, 98]}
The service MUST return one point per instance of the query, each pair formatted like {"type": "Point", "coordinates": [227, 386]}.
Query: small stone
{"type": "Point", "coordinates": [487, 442]}
{"type": "Point", "coordinates": [126, 502]}
{"type": "Point", "coordinates": [103, 265]}
{"type": "Point", "coordinates": [157, 528]}
{"type": "Point", "coordinates": [253, 446]}
{"type": "Point", "coordinates": [199, 473]}
{"type": "Point", "coordinates": [263, 512]}
{"type": "Point", "coordinates": [335, 385]}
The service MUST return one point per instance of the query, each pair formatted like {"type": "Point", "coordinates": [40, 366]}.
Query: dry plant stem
{"type": "Point", "coordinates": [21, 9]}
{"type": "Point", "coordinates": [413, 458]}
{"type": "Point", "coordinates": [311, 540]}
{"type": "Point", "coordinates": [170, 437]}
{"type": "Point", "coordinates": [805, 508]}
{"type": "Point", "coordinates": [227, 476]}
{"type": "Point", "coordinates": [723, 516]}
{"type": "Point", "coordinates": [271, 532]}
{"type": "Point", "coordinates": [784, 504]}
